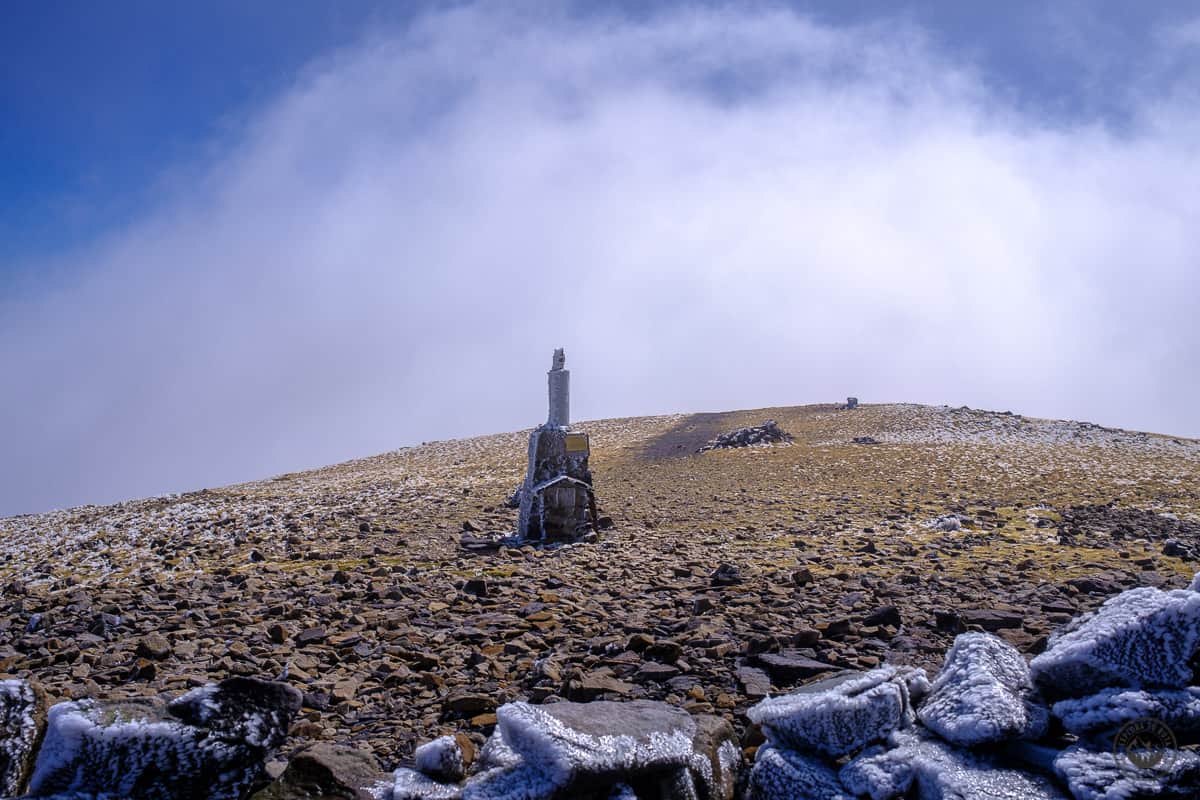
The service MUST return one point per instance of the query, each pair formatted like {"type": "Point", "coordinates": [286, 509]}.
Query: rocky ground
{"type": "Point", "coordinates": [350, 581]}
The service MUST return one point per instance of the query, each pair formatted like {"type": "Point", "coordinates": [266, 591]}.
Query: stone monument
{"type": "Point", "coordinates": [556, 500]}
{"type": "Point", "coordinates": [851, 402]}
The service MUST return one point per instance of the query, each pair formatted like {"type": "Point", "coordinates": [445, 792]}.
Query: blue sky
{"type": "Point", "coordinates": [103, 101]}
{"type": "Point", "coordinates": [238, 239]}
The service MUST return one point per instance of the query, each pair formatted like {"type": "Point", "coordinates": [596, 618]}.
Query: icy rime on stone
{"type": "Point", "coordinates": [211, 743]}
{"type": "Point", "coordinates": [983, 694]}
{"type": "Point", "coordinates": [441, 759]}
{"type": "Point", "coordinates": [21, 710]}
{"type": "Point", "coordinates": [590, 749]}
{"type": "Point", "coordinates": [1109, 709]}
{"type": "Point", "coordinates": [939, 772]}
{"type": "Point", "coordinates": [1095, 774]}
{"type": "Point", "coordinates": [1140, 638]}
{"type": "Point", "coordinates": [781, 774]}
{"type": "Point", "coordinates": [837, 715]}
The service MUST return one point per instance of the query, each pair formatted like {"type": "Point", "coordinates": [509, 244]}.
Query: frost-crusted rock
{"type": "Point", "coordinates": [871, 774]}
{"type": "Point", "coordinates": [1100, 774]}
{"type": "Point", "coordinates": [983, 694]}
{"type": "Point", "coordinates": [836, 715]}
{"type": "Point", "coordinates": [1109, 709]}
{"type": "Point", "coordinates": [22, 723]}
{"type": "Point", "coordinates": [600, 740]}
{"type": "Point", "coordinates": [781, 774]}
{"type": "Point", "coordinates": [409, 784]}
{"type": "Point", "coordinates": [938, 771]}
{"type": "Point", "coordinates": [1141, 638]}
{"type": "Point", "coordinates": [441, 759]}
{"type": "Point", "coordinates": [577, 749]}
{"type": "Point", "coordinates": [248, 710]}
{"type": "Point", "coordinates": [946, 523]}
{"type": "Point", "coordinates": [918, 683]}
{"type": "Point", "coordinates": [211, 743]}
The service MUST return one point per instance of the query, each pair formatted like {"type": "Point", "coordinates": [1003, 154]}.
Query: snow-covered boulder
{"type": "Point", "coordinates": [983, 694]}
{"type": "Point", "coordinates": [1141, 638]}
{"type": "Point", "coordinates": [442, 759]}
{"type": "Point", "coordinates": [1101, 774]}
{"type": "Point", "coordinates": [1109, 709]}
{"type": "Point", "coordinates": [937, 771]}
{"type": "Point", "coordinates": [781, 774]}
{"type": "Point", "coordinates": [22, 721]}
{"type": "Point", "coordinates": [584, 750]}
{"type": "Point", "coordinates": [837, 715]}
{"type": "Point", "coordinates": [211, 743]}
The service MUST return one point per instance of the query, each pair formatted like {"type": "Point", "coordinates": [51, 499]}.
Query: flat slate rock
{"type": "Point", "coordinates": [788, 666]}
{"type": "Point", "coordinates": [329, 770]}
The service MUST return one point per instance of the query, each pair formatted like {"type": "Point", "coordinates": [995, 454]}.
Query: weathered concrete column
{"type": "Point", "coordinates": [559, 380]}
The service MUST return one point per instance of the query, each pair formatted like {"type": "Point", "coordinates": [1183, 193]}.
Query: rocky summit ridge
{"type": "Point", "coordinates": [728, 575]}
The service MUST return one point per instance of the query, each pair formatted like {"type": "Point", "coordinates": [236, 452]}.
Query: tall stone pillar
{"type": "Point", "coordinates": [559, 380]}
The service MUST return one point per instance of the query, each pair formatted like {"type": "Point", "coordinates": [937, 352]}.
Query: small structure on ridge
{"type": "Point", "coordinates": [556, 500]}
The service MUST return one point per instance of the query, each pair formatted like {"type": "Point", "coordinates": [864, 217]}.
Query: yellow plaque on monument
{"type": "Point", "coordinates": [577, 443]}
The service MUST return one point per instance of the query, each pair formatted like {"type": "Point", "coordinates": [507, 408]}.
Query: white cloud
{"type": "Point", "coordinates": [710, 210]}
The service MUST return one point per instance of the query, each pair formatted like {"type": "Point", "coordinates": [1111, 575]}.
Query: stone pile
{"type": "Point", "coordinates": [767, 433]}
{"type": "Point", "coordinates": [1118, 681]}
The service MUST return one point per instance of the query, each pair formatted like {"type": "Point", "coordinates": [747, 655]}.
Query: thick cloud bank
{"type": "Point", "coordinates": [709, 210]}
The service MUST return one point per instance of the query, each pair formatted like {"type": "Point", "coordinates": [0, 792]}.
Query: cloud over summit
{"type": "Point", "coordinates": [708, 209]}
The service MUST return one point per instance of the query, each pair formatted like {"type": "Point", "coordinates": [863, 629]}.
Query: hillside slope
{"type": "Point", "coordinates": [350, 578]}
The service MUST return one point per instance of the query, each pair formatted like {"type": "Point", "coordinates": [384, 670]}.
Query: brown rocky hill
{"type": "Point", "coordinates": [350, 579]}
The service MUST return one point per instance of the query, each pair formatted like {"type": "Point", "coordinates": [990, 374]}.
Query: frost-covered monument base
{"type": "Point", "coordinates": [557, 501]}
